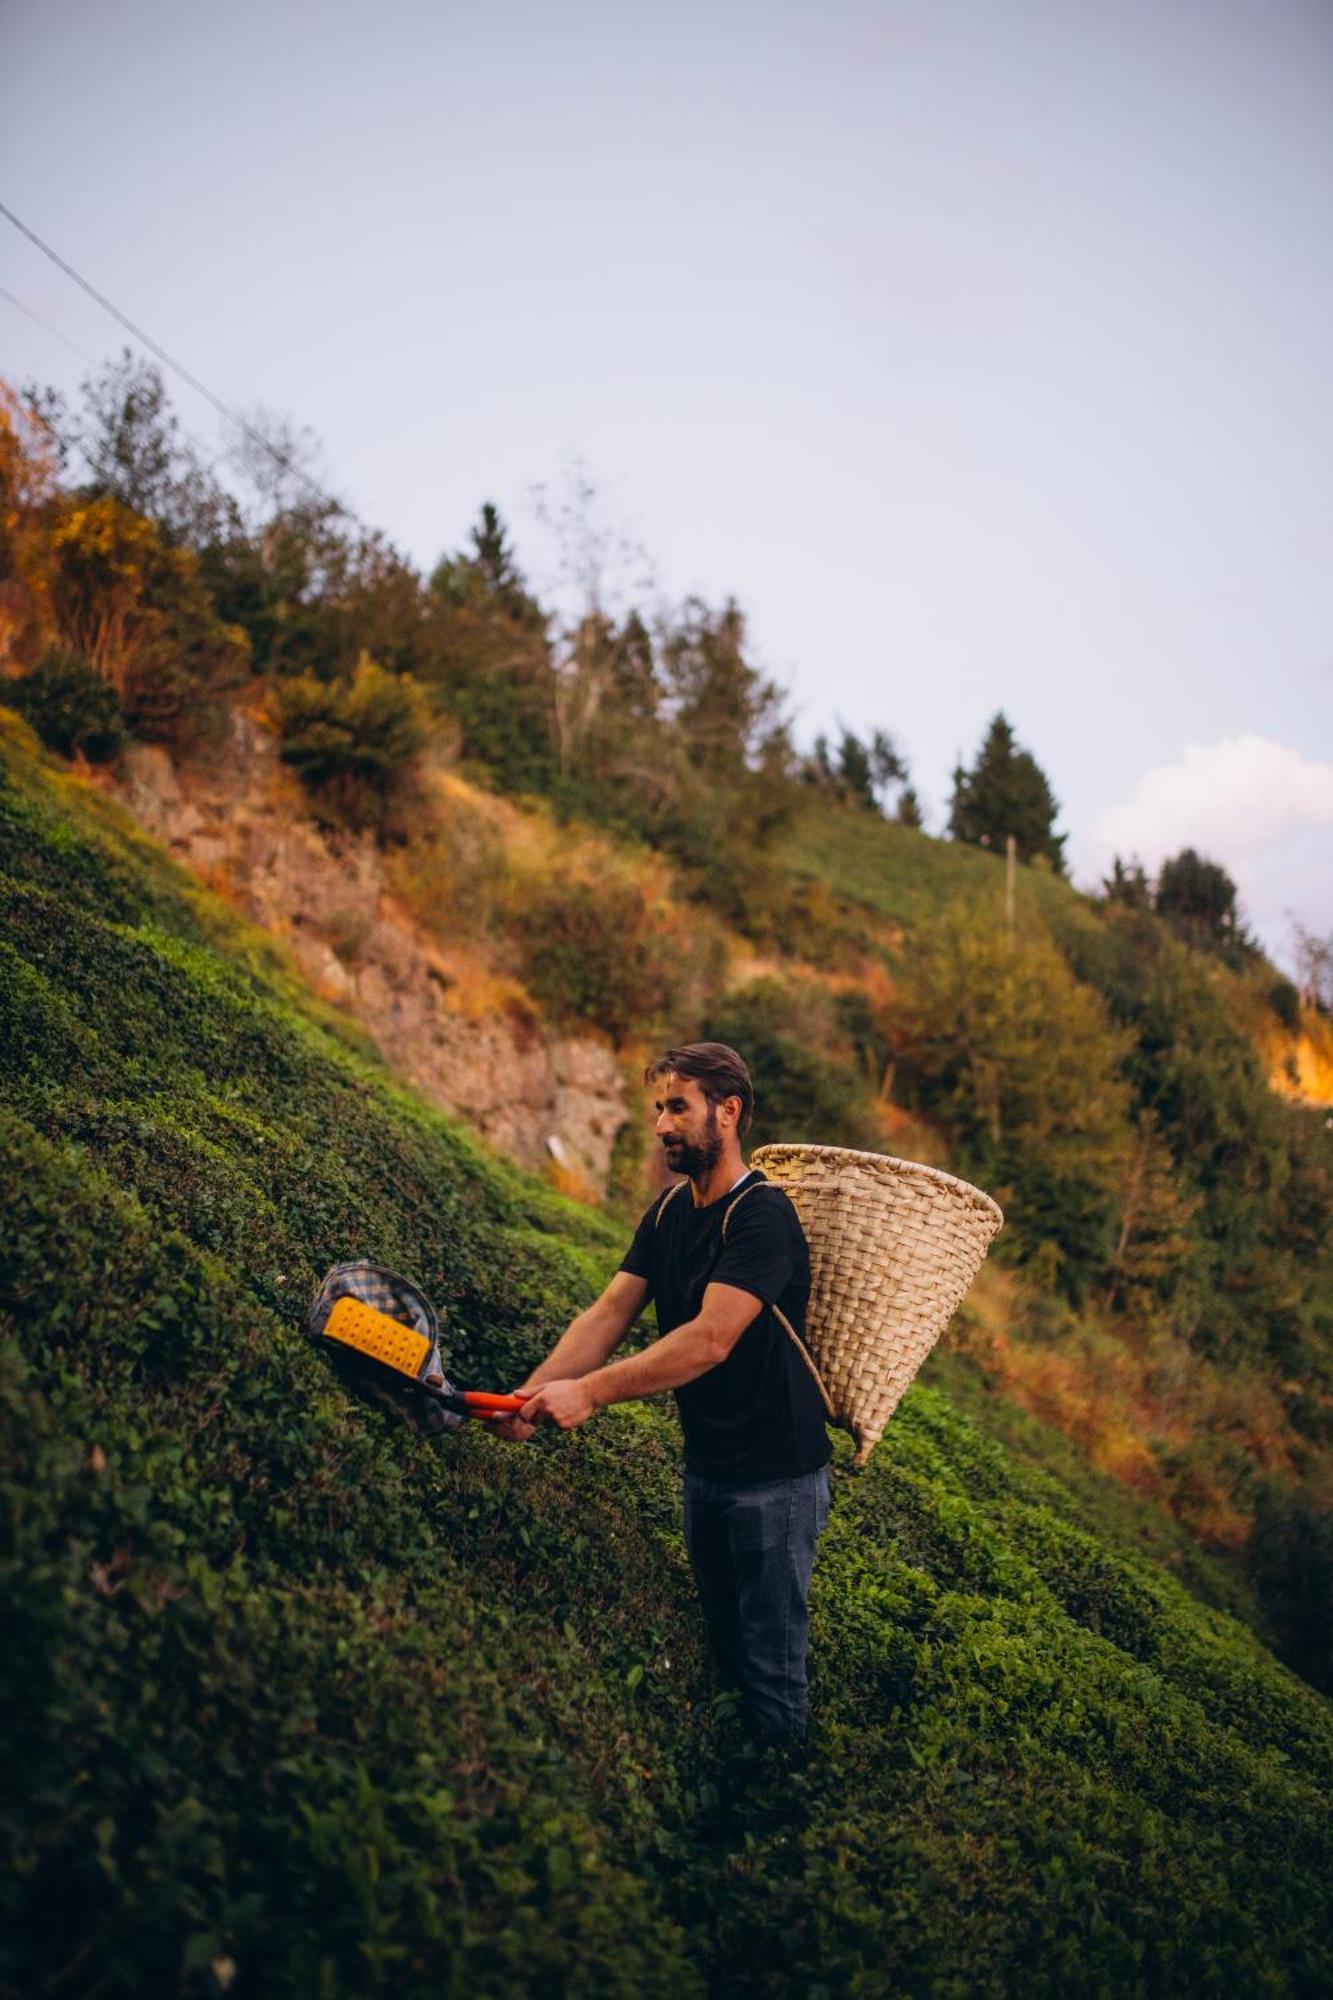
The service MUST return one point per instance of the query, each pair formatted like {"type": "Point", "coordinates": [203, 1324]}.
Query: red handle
{"type": "Point", "coordinates": [485, 1405]}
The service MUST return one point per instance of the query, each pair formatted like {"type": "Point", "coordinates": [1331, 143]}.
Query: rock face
{"type": "Point", "coordinates": [471, 1044]}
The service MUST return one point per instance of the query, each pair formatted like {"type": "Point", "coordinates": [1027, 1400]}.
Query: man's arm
{"type": "Point", "coordinates": [678, 1357]}
{"type": "Point", "coordinates": [584, 1345]}
{"type": "Point", "coordinates": [597, 1332]}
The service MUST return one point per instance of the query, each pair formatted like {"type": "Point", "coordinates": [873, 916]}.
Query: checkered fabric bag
{"type": "Point", "coordinates": [401, 1300]}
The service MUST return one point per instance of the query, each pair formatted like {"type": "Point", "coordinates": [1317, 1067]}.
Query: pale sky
{"type": "Point", "coordinates": [982, 351]}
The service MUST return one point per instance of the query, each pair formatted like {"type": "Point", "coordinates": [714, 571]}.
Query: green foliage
{"type": "Point", "coordinates": [1198, 900]}
{"type": "Point", "coordinates": [1006, 792]}
{"type": "Point", "coordinates": [998, 1039]}
{"type": "Point", "coordinates": [134, 604]}
{"type": "Point", "coordinates": [909, 808]}
{"type": "Point", "coordinates": [353, 739]}
{"type": "Point", "coordinates": [71, 707]}
{"type": "Point", "coordinates": [1285, 1000]}
{"type": "Point", "coordinates": [1290, 1562]}
{"type": "Point", "coordinates": [809, 1086]}
{"type": "Point", "coordinates": [306, 1703]}
{"type": "Point", "coordinates": [859, 773]}
{"type": "Point", "coordinates": [1258, 1172]}
{"type": "Point", "coordinates": [1128, 885]}
{"type": "Point", "coordinates": [604, 954]}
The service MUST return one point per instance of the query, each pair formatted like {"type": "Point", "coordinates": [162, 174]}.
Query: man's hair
{"type": "Point", "coordinates": [718, 1070]}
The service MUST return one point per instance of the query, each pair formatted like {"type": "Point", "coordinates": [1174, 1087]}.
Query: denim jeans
{"type": "Point", "coordinates": [752, 1549]}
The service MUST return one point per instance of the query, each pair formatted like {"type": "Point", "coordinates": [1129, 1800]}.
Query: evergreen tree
{"type": "Point", "coordinates": [1128, 885]}
{"type": "Point", "coordinates": [1006, 792]}
{"type": "Point", "coordinates": [909, 808]}
{"type": "Point", "coordinates": [861, 771]}
{"type": "Point", "coordinates": [1198, 899]}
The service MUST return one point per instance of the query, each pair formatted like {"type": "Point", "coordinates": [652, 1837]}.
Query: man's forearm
{"type": "Point", "coordinates": [583, 1346]}
{"type": "Point", "coordinates": [678, 1357]}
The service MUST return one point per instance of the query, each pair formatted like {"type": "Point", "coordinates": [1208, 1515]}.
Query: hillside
{"type": "Point", "coordinates": [298, 1702]}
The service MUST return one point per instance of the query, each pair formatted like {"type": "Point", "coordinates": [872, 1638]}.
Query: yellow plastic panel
{"type": "Point", "coordinates": [376, 1335]}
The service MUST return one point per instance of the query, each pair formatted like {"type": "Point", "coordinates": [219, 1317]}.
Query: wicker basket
{"type": "Point", "coordinates": [893, 1248]}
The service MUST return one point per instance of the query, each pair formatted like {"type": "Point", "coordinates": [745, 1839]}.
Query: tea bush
{"type": "Point", "coordinates": [297, 1701]}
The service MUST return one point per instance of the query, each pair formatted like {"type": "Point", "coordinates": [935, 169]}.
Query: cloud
{"type": "Point", "coordinates": [1260, 808]}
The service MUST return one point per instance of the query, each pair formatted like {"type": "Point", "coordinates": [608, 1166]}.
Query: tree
{"type": "Point", "coordinates": [29, 466]}
{"type": "Point", "coordinates": [353, 738]}
{"type": "Point", "coordinates": [1004, 793]}
{"type": "Point", "coordinates": [133, 450]}
{"type": "Point", "coordinates": [1314, 968]}
{"type": "Point", "coordinates": [1128, 885]}
{"type": "Point", "coordinates": [998, 1039]}
{"type": "Point", "coordinates": [136, 608]}
{"type": "Point", "coordinates": [1198, 899]}
{"type": "Point", "coordinates": [71, 708]}
{"type": "Point", "coordinates": [487, 650]}
{"type": "Point", "coordinates": [859, 772]}
{"type": "Point", "coordinates": [909, 808]}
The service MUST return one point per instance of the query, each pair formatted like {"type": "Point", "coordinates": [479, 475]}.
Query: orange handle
{"type": "Point", "coordinates": [484, 1405]}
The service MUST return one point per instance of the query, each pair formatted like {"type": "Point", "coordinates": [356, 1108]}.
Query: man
{"type": "Point", "coordinates": [718, 1253]}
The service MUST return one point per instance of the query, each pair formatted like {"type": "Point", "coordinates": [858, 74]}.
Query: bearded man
{"type": "Point", "coordinates": [724, 1259]}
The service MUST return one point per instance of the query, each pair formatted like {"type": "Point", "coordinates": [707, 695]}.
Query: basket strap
{"type": "Point", "coordinates": [675, 1188]}
{"type": "Point", "coordinates": [808, 1359]}
{"type": "Point", "coordinates": [777, 1312]}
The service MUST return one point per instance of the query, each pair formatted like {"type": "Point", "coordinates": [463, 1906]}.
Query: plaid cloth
{"type": "Point", "coordinates": [400, 1298]}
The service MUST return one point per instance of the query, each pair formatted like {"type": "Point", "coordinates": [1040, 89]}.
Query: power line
{"type": "Point", "coordinates": [247, 430]}
{"type": "Point", "coordinates": [47, 327]}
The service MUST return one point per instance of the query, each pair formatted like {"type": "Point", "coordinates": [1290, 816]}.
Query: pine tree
{"type": "Point", "coordinates": [1006, 792]}
{"type": "Point", "coordinates": [1198, 899]}
{"type": "Point", "coordinates": [909, 808]}
{"type": "Point", "coordinates": [1128, 885]}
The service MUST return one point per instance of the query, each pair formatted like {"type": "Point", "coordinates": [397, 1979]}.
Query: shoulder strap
{"type": "Point", "coordinates": [675, 1188]}
{"type": "Point", "coordinates": [776, 1311]}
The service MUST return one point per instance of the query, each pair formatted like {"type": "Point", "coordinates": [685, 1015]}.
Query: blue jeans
{"type": "Point", "coordinates": [752, 1549]}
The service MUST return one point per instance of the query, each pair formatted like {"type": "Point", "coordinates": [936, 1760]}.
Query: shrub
{"type": "Point", "coordinates": [1285, 1000]}
{"type": "Point", "coordinates": [352, 739]}
{"type": "Point", "coordinates": [603, 953]}
{"type": "Point", "coordinates": [1290, 1562]}
{"type": "Point", "coordinates": [71, 707]}
{"type": "Point", "coordinates": [808, 1089]}
{"type": "Point", "coordinates": [1000, 1040]}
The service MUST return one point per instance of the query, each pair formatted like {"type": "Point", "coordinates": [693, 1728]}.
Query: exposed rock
{"type": "Point", "coordinates": [239, 820]}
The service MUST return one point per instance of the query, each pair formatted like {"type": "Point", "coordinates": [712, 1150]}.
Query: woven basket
{"type": "Point", "coordinates": [893, 1248]}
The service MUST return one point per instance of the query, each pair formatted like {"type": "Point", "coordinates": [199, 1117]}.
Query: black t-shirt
{"type": "Point", "coordinates": [758, 1415]}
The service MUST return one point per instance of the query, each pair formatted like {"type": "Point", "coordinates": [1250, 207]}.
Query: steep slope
{"type": "Point", "coordinates": [298, 1702]}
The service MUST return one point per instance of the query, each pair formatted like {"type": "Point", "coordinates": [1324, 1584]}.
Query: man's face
{"type": "Point", "coordinates": [687, 1126]}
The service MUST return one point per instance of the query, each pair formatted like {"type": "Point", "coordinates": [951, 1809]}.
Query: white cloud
{"type": "Point", "coordinates": [1260, 808]}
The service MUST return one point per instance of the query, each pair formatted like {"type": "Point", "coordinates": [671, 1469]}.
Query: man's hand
{"type": "Point", "coordinates": [565, 1404]}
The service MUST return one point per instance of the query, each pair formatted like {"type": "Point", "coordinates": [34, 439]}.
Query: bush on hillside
{"type": "Point", "coordinates": [999, 1040]}
{"type": "Point", "coordinates": [72, 708]}
{"type": "Point", "coordinates": [136, 608]}
{"type": "Point", "coordinates": [606, 955]}
{"type": "Point", "coordinates": [809, 1087]}
{"type": "Point", "coordinates": [352, 740]}
{"type": "Point", "coordinates": [1290, 1562]}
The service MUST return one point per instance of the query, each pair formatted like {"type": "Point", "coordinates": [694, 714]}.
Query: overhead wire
{"type": "Point", "coordinates": [255, 437]}
{"type": "Point", "coordinates": [46, 326]}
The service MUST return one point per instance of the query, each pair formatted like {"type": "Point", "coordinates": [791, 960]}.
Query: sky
{"type": "Point", "coordinates": [981, 352]}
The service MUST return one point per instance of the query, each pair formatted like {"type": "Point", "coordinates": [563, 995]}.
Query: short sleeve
{"type": "Point", "coordinates": [639, 1260]}
{"type": "Point", "coordinates": [759, 1255]}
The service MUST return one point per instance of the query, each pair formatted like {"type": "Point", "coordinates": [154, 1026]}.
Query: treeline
{"type": "Point", "coordinates": [143, 591]}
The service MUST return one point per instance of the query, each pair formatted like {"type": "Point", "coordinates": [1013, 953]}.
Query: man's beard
{"type": "Point", "coordinates": [696, 1161]}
